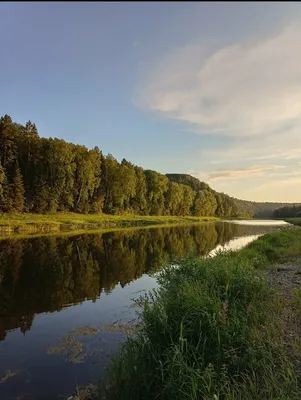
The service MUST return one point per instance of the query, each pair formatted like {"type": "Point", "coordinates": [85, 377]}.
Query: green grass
{"type": "Point", "coordinates": [88, 230]}
{"type": "Point", "coordinates": [274, 247]}
{"type": "Point", "coordinates": [213, 330]}
{"type": "Point", "coordinates": [294, 221]}
{"type": "Point", "coordinates": [296, 301]}
{"type": "Point", "coordinates": [38, 223]}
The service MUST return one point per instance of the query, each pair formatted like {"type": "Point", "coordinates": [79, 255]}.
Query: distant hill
{"type": "Point", "coordinates": [241, 207]}
{"type": "Point", "coordinates": [186, 179]}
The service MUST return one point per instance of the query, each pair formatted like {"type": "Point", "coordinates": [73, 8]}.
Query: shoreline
{"type": "Point", "coordinates": [80, 231]}
{"type": "Point", "coordinates": [13, 225]}
{"type": "Point", "coordinates": [257, 290]}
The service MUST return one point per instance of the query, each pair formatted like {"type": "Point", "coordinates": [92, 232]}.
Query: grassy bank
{"type": "Point", "coordinates": [214, 330]}
{"type": "Point", "coordinates": [78, 232]}
{"type": "Point", "coordinates": [39, 223]}
{"type": "Point", "coordinates": [294, 221]}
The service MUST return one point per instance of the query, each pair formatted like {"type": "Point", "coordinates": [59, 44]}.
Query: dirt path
{"type": "Point", "coordinates": [285, 278]}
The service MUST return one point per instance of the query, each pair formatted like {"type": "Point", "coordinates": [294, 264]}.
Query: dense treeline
{"type": "Point", "coordinates": [288, 212]}
{"type": "Point", "coordinates": [230, 206]}
{"type": "Point", "coordinates": [46, 273]}
{"type": "Point", "coordinates": [48, 175]}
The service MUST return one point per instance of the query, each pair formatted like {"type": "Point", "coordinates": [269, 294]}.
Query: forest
{"type": "Point", "coordinates": [48, 175]}
{"type": "Point", "coordinates": [288, 212]}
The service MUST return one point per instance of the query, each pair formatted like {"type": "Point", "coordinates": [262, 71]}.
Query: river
{"type": "Point", "coordinates": [62, 297]}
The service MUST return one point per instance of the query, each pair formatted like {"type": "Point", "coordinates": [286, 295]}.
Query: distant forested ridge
{"type": "Point", "coordinates": [230, 206]}
{"type": "Point", "coordinates": [49, 175]}
{"type": "Point", "coordinates": [292, 211]}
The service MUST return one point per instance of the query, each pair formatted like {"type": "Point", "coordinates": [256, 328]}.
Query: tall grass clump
{"type": "Point", "coordinates": [211, 331]}
{"type": "Point", "coordinates": [294, 221]}
{"type": "Point", "coordinates": [274, 247]}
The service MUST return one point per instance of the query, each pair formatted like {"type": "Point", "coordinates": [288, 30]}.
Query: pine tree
{"type": "Point", "coordinates": [18, 190]}
{"type": "Point", "coordinates": [5, 192]}
{"type": "Point", "coordinates": [2, 178]}
{"type": "Point", "coordinates": [7, 141]}
{"type": "Point", "coordinates": [41, 197]}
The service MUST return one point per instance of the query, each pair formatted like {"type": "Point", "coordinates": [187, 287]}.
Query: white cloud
{"type": "Point", "coordinates": [259, 171]}
{"type": "Point", "coordinates": [280, 147]}
{"type": "Point", "coordinates": [248, 95]}
{"type": "Point", "coordinates": [285, 189]}
{"type": "Point", "coordinates": [248, 172]}
{"type": "Point", "coordinates": [241, 90]}
{"type": "Point", "coordinates": [260, 183]}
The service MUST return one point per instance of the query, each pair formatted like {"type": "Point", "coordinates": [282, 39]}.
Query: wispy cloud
{"type": "Point", "coordinates": [241, 172]}
{"type": "Point", "coordinates": [285, 189]}
{"type": "Point", "coordinates": [258, 183]}
{"type": "Point", "coordinates": [276, 148]}
{"type": "Point", "coordinates": [242, 90]}
{"type": "Point", "coordinates": [248, 95]}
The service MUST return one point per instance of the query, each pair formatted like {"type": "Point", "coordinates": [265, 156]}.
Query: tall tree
{"type": "Point", "coordinates": [174, 198]}
{"type": "Point", "coordinates": [18, 190]}
{"type": "Point", "coordinates": [157, 186]}
{"type": "Point", "coordinates": [7, 140]}
{"type": "Point", "coordinates": [139, 202]}
{"type": "Point", "coordinates": [87, 177]}
{"type": "Point", "coordinates": [205, 203]}
{"type": "Point", "coordinates": [220, 211]}
{"type": "Point", "coordinates": [188, 199]}
{"type": "Point", "coordinates": [2, 178]}
{"type": "Point", "coordinates": [5, 203]}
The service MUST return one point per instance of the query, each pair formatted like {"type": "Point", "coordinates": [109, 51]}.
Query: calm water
{"type": "Point", "coordinates": [52, 286]}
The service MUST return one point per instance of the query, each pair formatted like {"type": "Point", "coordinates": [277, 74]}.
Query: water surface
{"type": "Point", "coordinates": [53, 287]}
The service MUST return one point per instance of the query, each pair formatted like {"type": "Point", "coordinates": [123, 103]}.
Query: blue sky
{"type": "Point", "coordinates": [211, 89]}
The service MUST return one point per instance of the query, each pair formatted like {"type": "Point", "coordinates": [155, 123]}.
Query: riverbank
{"type": "Point", "coordinates": [218, 328]}
{"type": "Point", "coordinates": [61, 222]}
{"type": "Point", "coordinates": [294, 221]}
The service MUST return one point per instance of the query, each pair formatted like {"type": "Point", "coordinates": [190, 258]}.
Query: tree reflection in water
{"type": "Point", "coordinates": [48, 273]}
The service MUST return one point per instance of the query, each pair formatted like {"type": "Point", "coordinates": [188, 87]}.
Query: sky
{"type": "Point", "coordinates": [212, 89]}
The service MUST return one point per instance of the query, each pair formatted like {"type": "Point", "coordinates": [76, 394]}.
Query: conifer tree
{"type": "Point", "coordinates": [18, 190]}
